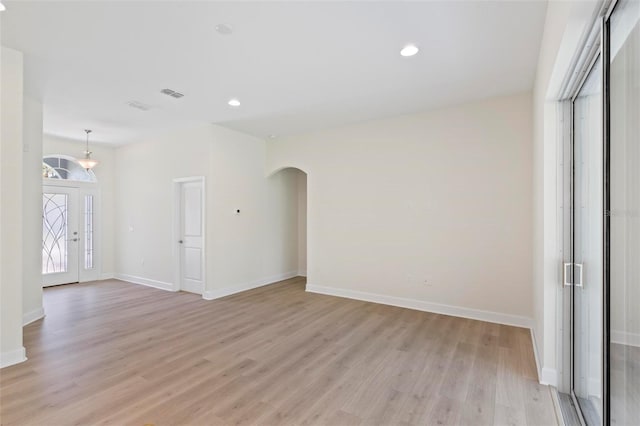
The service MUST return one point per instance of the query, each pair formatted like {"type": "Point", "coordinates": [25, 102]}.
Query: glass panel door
{"type": "Point", "coordinates": [60, 239]}
{"type": "Point", "coordinates": [624, 195]}
{"type": "Point", "coordinates": [587, 243]}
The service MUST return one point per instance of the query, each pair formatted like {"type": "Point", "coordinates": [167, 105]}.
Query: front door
{"type": "Point", "coordinates": [60, 235]}
{"type": "Point", "coordinates": [191, 249]}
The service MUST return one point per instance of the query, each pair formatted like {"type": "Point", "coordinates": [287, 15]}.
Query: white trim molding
{"type": "Point", "coordinates": [32, 316]}
{"type": "Point", "coordinates": [549, 376]}
{"type": "Point", "coordinates": [13, 357]}
{"type": "Point", "coordinates": [536, 356]}
{"type": "Point", "coordinates": [144, 281]}
{"type": "Point", "coordinates": [227, 291]}
{"type": "Point", "coordinates": [107, 276]}
{"type": "Point", "coordinates": [546, 376]}
{"type": "Point", "coordinates": [420, 305]}
{"type": "Point", "coordinates": [625, 338]}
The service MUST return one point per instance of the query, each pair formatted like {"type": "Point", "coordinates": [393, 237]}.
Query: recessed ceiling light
{"type": "Point", "coordinates": [272, 136]}
{"type": "Point", "coordinates": [234, 102]}
{"type": "Point", "coordinates": [409, 50]}
{"type": "Point", "coordinates": [224, 29]}
{"type": "Point", "coordinates": [2, 8]}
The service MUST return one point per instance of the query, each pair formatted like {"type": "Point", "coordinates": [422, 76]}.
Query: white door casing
{"type": "Point", "coordinates": [190, 234]}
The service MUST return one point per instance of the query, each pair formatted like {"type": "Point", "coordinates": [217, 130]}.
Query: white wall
{"type": "Point", "coordinates": [431, 209]}
{"type": "Point", "coordinates": [32, 211]}
{"type": "Point", "coordinates": [302, 223]}
{"type": "Point", "coordinates": [143, 207]}
{"type": "Point", "coordinates": [242, 251]}
{"type": "Point", "coordinates": [105, 173]}
{"type": "Point", "coordinates": [545, 223]}
{"type": "Point", "coordinates": [11, 104]}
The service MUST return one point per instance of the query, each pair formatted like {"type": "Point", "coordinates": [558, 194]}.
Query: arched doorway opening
{"type": "Point", "coordinates": [288, 205]}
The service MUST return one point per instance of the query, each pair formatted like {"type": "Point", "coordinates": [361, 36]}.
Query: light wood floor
{"type": "Point", "coordinates": [122, 354]}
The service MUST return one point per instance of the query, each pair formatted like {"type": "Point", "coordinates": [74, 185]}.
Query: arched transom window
{"type": "Point", "coordinates": [66, 168]}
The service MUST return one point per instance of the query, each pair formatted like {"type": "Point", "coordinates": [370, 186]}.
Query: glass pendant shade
{"type": "Point", "coordinates": [87, 162]}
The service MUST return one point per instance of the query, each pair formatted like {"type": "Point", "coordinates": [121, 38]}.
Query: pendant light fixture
{"type": "Point", "coordinates": [87, 162]}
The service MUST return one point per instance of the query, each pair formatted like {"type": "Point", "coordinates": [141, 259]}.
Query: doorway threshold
{"type": "Point", "coordinates": [568, 410]}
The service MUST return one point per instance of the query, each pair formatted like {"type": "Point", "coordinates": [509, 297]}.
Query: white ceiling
{"type": "Point", "coordinates": [295, 66]}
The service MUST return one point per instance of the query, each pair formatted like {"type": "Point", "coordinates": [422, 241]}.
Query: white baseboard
{"type": "Point", "coordinates": [546, 376]}
{"type": "Point", "coordinates": [144, 281]}
{"type": "Point", "coordinates": [457, 311]}
{"type": "Point", "coordinates": [13, 357]}
{"type": "Point", "coordinates": [32, 316]}
{"type": "Point", "coordinates": [227, 291]}
{"type": "Point", "coordinates": [107, 276]}
{"type": "Point", "coordinates": [302, 273]}
{"type": "Point", "coordinates": [549, 376]}
{"type": "Point", "coordinates": [536, 354]}
{"type": "Point", "coordinates": [625, 338]}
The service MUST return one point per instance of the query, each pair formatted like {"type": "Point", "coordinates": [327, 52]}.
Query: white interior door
{"type": "Point", "coordinates": [191, 236]}
{"type": "Point", "coordinates": [60, 235]}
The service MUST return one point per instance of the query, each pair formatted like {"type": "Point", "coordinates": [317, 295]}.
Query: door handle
{"type": "Point", "coordinates": [567, 275]}
{"type": "Point", "coordinates": [572, 275]}
{"type": "Point", "coordinates": [578, 282]}
{"type": "Point", "coordinates": [180, 241]}
{"type": "Point", "coordinates": [73, 239]}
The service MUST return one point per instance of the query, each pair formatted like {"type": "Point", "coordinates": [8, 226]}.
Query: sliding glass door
{"type": "Point", "coordinates": [602, 272]}
{"type": "Point", "coordinates": [587, 246]}
{"type": "Point", "coordinates": [624, 196]}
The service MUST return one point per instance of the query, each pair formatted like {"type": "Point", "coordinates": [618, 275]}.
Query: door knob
{"type": "Point", "coordinates": [180, 241]}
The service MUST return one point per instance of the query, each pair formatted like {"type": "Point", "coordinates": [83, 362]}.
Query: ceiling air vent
{"type": "Point", "coordinates": [172, 93]}
{"type": "Point", "coordinates": [139, 105]}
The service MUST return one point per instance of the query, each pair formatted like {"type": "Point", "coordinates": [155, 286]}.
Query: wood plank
{"type": "Point", "coordinates": [114, 353]}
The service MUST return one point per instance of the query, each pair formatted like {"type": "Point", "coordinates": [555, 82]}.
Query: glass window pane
{"type": "Point", "coordinates": [587, 246]}
{"type": "Point", "coordinates": [67, 168]}
{"type": "Point", "coordinates": [54, 233]}
{"type": "Point", "coordinates": [88, 232]}
{"type": "Point", "coordinates": [624, 360]}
